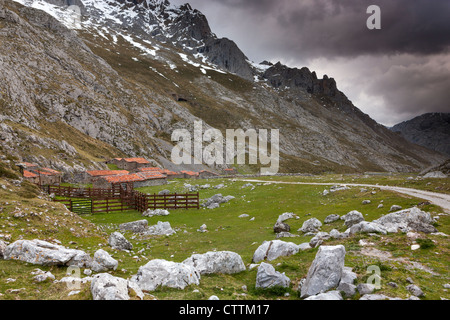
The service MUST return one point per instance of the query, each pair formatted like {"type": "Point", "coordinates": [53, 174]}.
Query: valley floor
{"type": "Point", "coordinates": [227, 229]}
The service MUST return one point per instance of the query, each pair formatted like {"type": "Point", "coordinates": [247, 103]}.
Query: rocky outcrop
{"type": "Point", "coordinates": [281, 76]}
{"type": "Point", "coordinates": [104, 109]}
{"type": "Point", "coordinates": [430, 130]}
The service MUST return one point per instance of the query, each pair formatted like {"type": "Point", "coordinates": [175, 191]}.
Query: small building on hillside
{"type": "Point", "coordinates": [30, 176]}
{"type": "Point", "coordinates": [190, 174]}
{"type": "Point", "coordinates": [205, 174]}
{"type": "Point", "coordinates": [130, 164]}
{"type": "Point", "coordinates": [47, 176]}
{"type": "Point", "coordinates": [41, 176]}
{"type": "Point", "coordinates": [230, 172]}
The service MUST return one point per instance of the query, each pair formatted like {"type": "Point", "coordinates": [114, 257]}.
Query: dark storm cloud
{"type": "Point", "coordinates": [417, 88]}
{"type": "Point", "coordinates": [338, 28]}
{"type": "Point", "coordinates": [393, 74]}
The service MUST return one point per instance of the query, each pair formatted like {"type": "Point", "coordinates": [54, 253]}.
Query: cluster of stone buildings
{"type": "Point", "coordinates": [133, 172]}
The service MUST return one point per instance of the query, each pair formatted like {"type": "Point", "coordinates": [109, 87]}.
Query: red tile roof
{"type": "Point", "coordinates": [158, 170]}
{"type": "Point", "coordinates": [51, 171]}
{"type": "Point", "coordinates": [45, 173]}
{"type": "Point", "coordinates": [190, 173]}
{"type": "Point", "coordinates": [29, 165]}
{"type": "Point", "coordinates": [150, 169]}
{"type": "Point", "coordinates": [138, 160]}
{"type": "Point", "coordinates": [151, 175]}
{"type": "Point", "coordinates": [29, 174]}
{"type": "Point", "coordinates": [123, 178]}
{"type": "Point", "coordinates": [99, 173]}
{"type": "Point", "coordinates": [133, 177]}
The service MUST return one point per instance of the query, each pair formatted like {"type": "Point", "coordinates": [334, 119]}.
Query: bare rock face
{"type": "Point", "coordinates": [325, 272]}
{"type": "Point", "coordinates": [225, 262]}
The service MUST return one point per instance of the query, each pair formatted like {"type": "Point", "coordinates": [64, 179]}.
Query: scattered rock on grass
{"type": "Point", "coordinates": [268, 277]}
{"type": "Point", "coordinates": [270, 250]}
{"type": "Point", "coordinates": [225, 262]}
{"type": "Point", "coordinates": [162, 273]}
{"type": "Point", "coordinates": [325, 272]}
{"type": "Point", "coordinates": [119, 242]}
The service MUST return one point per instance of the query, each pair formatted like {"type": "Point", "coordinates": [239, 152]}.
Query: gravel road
{"type": "Point", "coordinates": [440, 199]}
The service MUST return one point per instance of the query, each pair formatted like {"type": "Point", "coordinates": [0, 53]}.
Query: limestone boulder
{"type": "Point", "coordinates": [46, 254]}
{"type": "Point", "coordinates": [162, 273]}
{"type": "Point", "coordinates": [268, 277]}
{"type": "Point", "coordinates": [118, 241]}
{"type": "Point", "coordinates": [325, 272]}
{"type": "Point", "coordinates": [271, 250]}
{"type": "Point", "coordinates": [225, 262]}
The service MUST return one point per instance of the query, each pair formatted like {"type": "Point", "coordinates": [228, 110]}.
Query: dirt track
{"type": "Point", "coordinates": [440, 199]}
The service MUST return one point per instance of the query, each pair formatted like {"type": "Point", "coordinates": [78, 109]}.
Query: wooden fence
{"type": "Point", "coordinates": [93, 200]}
{"type": "Point", "coordinates": [91, 193]}
{"type": "Point", "coordinates": [167, 201]}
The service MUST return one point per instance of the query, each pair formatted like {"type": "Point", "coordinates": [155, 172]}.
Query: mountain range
{"type": "Point", "coordinates": [431, 130]}
{"type": "Point", "coordinates": [115, 78]}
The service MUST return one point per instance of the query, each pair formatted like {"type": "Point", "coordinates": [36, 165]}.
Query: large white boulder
{"type": "Point", "coordinates": [330, 295]}
{"type": "Point", "coordinates": [367, 227]}
{"type": "Point", "coordinates": [325, 272]}
{"type": "Point", "coordinates": [103, 261]}
{"type": "Point", "coordinates": [352, 218]}
{"type": "Point", "coordinates": [165, 273]}
{"type": "Point", "coordinates": [311, 225]}
{"type": "Point", "coordinates": [226, 262]}
{"type": "Point", "coordinates": [107, 287]}
{"type": "Point", "coordinates": [412, 219]}
{"type": "Point", "coordinates": [160, 229]}
{"type": "Point", "coordinates": [270, 250]}
{"type": "Point", "coordinates": [46, 254]}
{"type": "Point", "coordinates": [268, 277]}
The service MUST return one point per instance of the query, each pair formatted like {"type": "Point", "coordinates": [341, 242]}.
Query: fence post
{"type": "Point", "coordinates": [176, 198]}
{"type": "Point", "coordinates": [198, 200]}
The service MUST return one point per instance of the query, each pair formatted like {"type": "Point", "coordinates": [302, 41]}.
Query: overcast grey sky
{"type": "Point", "coordinates": [392, 74]}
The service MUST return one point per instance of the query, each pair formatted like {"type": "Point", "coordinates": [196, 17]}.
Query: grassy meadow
{"type": "Point", "coordinates": [226, 231]}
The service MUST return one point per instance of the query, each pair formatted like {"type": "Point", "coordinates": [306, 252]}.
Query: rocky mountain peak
{"type": "Point", "coordinates": [281, 76]}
